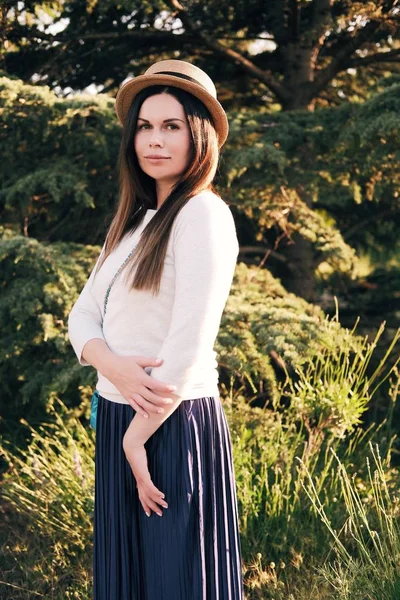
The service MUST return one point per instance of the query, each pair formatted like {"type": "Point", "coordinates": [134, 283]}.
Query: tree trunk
{"type": "Point", "coordinates": [299, 69]}
{"type": "Point", "coordinates": [299, 277]}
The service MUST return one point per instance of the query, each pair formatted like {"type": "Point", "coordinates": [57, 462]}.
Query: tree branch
{"type": "Point", "coordinates": [321, 19]}
{"type": "Point", "coordinates": [294, 21]}
{"type": "Point", "coordinates": [230, 54]}
{"type": "Point", "coordinates": [321, 13]}
{"type": "Point", "coordinates": [349, 233]}
{"type": "Point", "coordinates": [389, 56]}
{"type": "Point", "coordinates": [342, 57]}
{"type": "Point", "coordinates": [108, 35]}
{"type": "Point", "coordinates": [133, 33]}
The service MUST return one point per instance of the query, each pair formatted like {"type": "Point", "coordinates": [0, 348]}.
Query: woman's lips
{"type": "Point", "coordinates": [156, 157]}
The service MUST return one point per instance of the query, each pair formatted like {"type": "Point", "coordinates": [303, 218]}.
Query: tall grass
{"type": "Point", "coordinates": [46, 528]}
{"type": "Point", "coordinates": [289, 488]}
{"type": "Point", "coordinates": [367, 547]}
{"type": "Point", "coordinates": [320, 421]}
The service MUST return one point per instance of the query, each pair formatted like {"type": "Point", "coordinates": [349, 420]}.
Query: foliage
{"type": "Point", "coordinates": [274, 52]}
{"type": "Point", "coordinates": [48, 491]}
{"type": "Point", "coordinates": [263, 330]}
{"type": "Point", "coordinates": [333, 391]}
{"type": "Point", "coordinates": [57, 161]}
{"type": "Point", "coordinates": [47, 521]}
{"type": "Point", "coordinates": [326, 176]}
{"type": "Point", "coordinates": [284, 545]}
{"type": "Point", "coordinates": [311, 414]}
{"type": "Point", "coordinates": [40, 283]}
{"type": "Point", "coordinates": [333, 176]}
{"type": "Point", "coordinates": [372, 525]}
{"type": "Point", "coordinates": [266, 332]}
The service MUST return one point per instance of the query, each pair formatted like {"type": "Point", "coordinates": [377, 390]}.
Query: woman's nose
{"type": "Point", "coordinates": [155, 138]}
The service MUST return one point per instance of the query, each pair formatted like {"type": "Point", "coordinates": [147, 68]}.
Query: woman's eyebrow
{"type": "Point", "coordinates": [165, 120]}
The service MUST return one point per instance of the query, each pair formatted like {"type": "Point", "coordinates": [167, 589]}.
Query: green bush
{"type": "Point", "coordinates": [57, 173]}
{"type": "Point", "coordinates": [264, 330]}
{"type": "Point", "coordinates": [46, 525]}
{"type": "Point", "coordinates": [40, 283]}
{"type": "Point", "coordinates": [367, 547]}
{"type": "Point", "coordinates": [46, 530]}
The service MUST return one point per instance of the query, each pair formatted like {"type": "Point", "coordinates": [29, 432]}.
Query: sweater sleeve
{"type": "Point", "coordinates": [205, 250]}
{"type": "Point", "coordinates": [85, 321]}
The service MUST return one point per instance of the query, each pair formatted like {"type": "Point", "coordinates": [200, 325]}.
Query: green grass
{"type": "Point", "coordinates": [317, 520]}
{"type": "Point", "coordinates": [46, 524]}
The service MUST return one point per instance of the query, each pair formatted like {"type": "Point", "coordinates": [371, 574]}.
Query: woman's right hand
{"type": "Point", "coordinates": [142, 391]}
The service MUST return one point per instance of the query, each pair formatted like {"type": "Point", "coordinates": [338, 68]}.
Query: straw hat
{"type": "Point", "coordinates": [180, 74]}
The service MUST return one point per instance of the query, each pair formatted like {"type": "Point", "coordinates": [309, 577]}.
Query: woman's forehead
{"type": "Point", "coordinates": [161, 107]}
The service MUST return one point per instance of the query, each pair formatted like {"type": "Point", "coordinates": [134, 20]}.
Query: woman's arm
{"type": "Point", "coordinates": [140, 430]}
{"type": "Point", "coordinates": [205, 251]}
{"type": "Point", "coordinates": [126, 373]}
{"type": "Point", "coordinates": [85, 320]}
{"type": "Point", "coordinates": [96, 353]}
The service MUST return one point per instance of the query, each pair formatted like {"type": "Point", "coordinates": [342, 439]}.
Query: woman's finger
{"type": "Point", "coordinates": [147, 404]}
{"type": "Point", "coordinates": [134, 405]}
{"type": "Point", "coordinates": [136, 402]}
{"type": "Point", "coordinates": [153, 492]}
{"type": "Point", "coordinates": [154, 501]}
{"type": "Point", "coordinates": [155, 399]}
{"type": "Point", "coordinates": [154, 507]}
{"type": "Point", "coordinates": [148, 504]}
{"type": "Point", "coordinates": [158, 501]}
{"type": "Point", "coordinates": [145, 507]}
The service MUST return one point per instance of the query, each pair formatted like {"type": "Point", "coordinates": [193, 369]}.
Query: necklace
{"type": "Point", "coordinates": [118, 272]}
{"type": "Point", "coordinates": [114, 279]}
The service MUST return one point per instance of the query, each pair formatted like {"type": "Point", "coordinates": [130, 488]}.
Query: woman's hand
{"type": "Point", "coordinates": [149, 495]}
{"type": "Point", "coordinates": [143, 392]}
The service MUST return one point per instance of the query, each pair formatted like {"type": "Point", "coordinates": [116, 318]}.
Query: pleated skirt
{"type": "Point", "coordinates": [193, 551]}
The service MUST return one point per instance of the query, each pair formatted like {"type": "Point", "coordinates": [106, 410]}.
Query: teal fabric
{"type": "Point", "coordinates": [93, 409]}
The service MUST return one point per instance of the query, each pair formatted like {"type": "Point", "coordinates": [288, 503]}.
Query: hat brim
{"type": "Point", "coordinates": [131, 88]}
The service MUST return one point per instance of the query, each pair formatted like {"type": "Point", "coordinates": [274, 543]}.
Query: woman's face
{"type": "Point", "coordinates": [162, 139]}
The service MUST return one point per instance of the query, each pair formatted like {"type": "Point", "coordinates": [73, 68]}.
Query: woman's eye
{"type": "Point", "coordinates": [171, 126]}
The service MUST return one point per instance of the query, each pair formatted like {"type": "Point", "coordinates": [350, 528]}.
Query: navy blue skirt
{"type": "Point", "coordinates": [193, 551]}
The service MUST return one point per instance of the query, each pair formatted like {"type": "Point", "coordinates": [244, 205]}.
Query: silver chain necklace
{"type": "Point", "coordinates": [118, 272]}
{"type": "Point", "coordinates": [114, 279]}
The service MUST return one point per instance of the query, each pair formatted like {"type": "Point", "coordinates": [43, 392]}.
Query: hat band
{"type": "Point", "coordinates": [182, 76]}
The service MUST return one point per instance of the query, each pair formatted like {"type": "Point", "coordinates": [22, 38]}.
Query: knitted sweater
{"type": "Point", "coordinates": [181, 323]}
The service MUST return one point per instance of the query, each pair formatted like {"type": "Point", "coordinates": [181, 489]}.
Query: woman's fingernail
{"type": "Point", "coordinates": [158, 360]}
{"type": "Point", "coordinates": [172, 388]}
{"type": "Point", "coordinates": [159, 514]}
{"type": "Point", "coordinates": [146, 416]}
{"type": "Point", "coordinates": [148, 514]}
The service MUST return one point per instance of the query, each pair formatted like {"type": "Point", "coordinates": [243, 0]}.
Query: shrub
{"type": "Point", "coordinates": [47, 518]}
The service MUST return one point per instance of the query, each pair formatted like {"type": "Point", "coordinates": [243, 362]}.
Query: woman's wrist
{"type": "Point", "coordinates": [98, 354]}
{"type": "Point", "coordinates": [108, 364]}
{"type": "Point", "coordinates": [140, 430]}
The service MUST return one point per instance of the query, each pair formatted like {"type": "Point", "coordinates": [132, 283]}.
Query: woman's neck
{"type": "Point", "coordinates": [163, 189]}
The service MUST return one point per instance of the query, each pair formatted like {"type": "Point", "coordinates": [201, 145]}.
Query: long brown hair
{"type": "Point", "coordinates": [137, 191]}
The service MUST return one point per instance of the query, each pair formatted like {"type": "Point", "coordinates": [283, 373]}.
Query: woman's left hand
{"type": "Point", "coordinates": [149, 495]}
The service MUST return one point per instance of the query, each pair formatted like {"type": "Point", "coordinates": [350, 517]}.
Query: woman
{"type": "Point", "coordinates": [166, 522]}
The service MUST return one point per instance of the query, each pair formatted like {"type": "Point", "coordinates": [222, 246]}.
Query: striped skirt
{"type": "Point", "coordinates": [193, 551]}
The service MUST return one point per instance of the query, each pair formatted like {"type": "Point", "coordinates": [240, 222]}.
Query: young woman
{"type": "Point", "coordinates": [166, 520]}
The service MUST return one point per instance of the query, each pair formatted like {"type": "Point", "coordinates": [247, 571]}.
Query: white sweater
{"type": "Point", "coordinates": [181, 323]}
